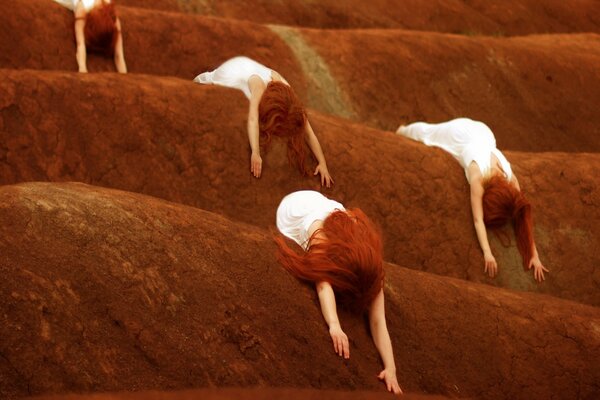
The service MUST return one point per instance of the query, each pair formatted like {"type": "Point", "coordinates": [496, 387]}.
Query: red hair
{"type": "Point", "coordinates": [281, 114]}
{"type": "Point", "coordinates": [100, 30]}
{"type": "Point", "coordinates": [503, 202]}
{"type": "Point", "coordinates": [349, 258]}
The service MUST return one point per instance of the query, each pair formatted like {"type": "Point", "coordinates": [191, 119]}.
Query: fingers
{"type": "Point", "coordinates": [316, 170]}
{"type": "Point", "coordinates": [396, 388]}
{"type": "Point", "coordinates": [255, 168]}
{"type": "Point", "coordinates": [381, 375]}
{"type": "Point", "coordinates": [335, 345]}
{"type": "Point", "coordinates": [346, 347]}
{"type": "Point", "coordinates": [491, 268]}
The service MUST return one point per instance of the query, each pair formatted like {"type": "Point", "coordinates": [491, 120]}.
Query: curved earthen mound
{"type": "Point", "coordinates": [157, 43]}
{"type": "Point", "coordinates": [525, 88]}
{"type": "Point", "coordinates": [107, 290]}
{"type": "Point", "coordinates": [162, 5]}
{"type": "Point", "coordinates": [465, 17]}
{"type": "Point", "coordinates": [242, 394]}
{"type": "Point", "coordinates": [187, 143]}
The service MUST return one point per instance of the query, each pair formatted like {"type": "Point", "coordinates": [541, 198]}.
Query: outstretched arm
{"type": "Point", "coordinates": [257, 88]}
{"type": "Point", "coordinates": [381, 337]}
{"type": "Point", "coordinates": [315, 147]}
{"type": "Point", "coordinates": [80, 54]}
{"type": "Point", "coordinates": [328, 308]}
{"type": "Point", "coordinates": [491, 267]}
{"type": "Point", "coordinates": [535, 263]}
{"type": "Point", "coordinates": [119, 55]}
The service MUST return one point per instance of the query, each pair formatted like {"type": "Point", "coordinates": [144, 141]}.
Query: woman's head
{"type": "Point", "coordinates": [100, 29]}
{"type": "Point", "coordinates": [349, 257]}
{"type": "Point", "coordinates": [281, 114]}
{"type": "Point", "coordinates": [503, 202]}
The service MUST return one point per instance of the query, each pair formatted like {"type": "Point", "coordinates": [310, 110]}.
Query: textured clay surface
{"type": "Point", "coordinates": [524, 88]}
{"type": "Point", "coordinates": [187, 143]}
{"type": "Point", "coordinates": [499, 18]}
{"type": "Point", "coordinates": [137, 258]}
{"type": "Point", "coordinates": [105, 290]}
{"type": "Point", "coordinates": [242, 394]}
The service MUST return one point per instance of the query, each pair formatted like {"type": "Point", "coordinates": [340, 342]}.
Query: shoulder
{"type": "Point", "coordinates": [256, 85]}
{"type": "Point", "coordinates": [79, 10]}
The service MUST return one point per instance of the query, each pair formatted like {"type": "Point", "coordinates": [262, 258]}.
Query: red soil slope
{"type": "Point", "coordinates": [187, 143]}
{"type": "Point", "coordinates": [525, 88]}
{"type": "Point", "coordinates": [162, 5]}
{"type": "Point", "coordinates": [157, 43]}
{"type": "Point", "coordinates": [455, 16]}
{"type": "Point", "coordinates": [107, 290]}
{"type": "Point", "coordinates": [242, 394]}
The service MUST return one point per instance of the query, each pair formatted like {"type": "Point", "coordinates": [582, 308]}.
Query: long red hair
{"type": "Point", "coordinates": [100, 30]}
{"type": "Point", "coordinates": [503, 202]}
{"type": "Point", "coordinates": [349, 258]}
{"type": "Point", "coordinates": [281, 114]}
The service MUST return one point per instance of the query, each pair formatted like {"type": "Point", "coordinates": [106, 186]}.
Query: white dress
{"type": "Point", "coordinates": [465, 139]}
{"type": "Point", "coordinates": [71, 4]}
{"type": "Point", "coordinates": [234, 73]}
{"type": "Point", "coordinates": [298, 210]}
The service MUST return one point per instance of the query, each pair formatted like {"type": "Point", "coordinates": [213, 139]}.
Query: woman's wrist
{"type": "Point", "coordinates": [334, 324]}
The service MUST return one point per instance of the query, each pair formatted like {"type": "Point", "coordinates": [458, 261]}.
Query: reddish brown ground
{"type": "Point", "coordinates": [243, 394]}
{"type": "Point", "coordinates": [456, 16]}
{"type": "Point", "coordinates": [105, 290]}
{"type": "Point", "coordinates": [525, 88]}
{"type": "Point", "coordinates": [186, 143]}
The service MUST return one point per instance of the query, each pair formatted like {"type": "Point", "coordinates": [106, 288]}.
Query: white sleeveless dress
{"type": "Point", "coordinates": [465, 139]}
{"type": "Point", "coordinates": [234, 73]}
{"type": "Point", "coordinates": [298, 210]}
{"type": "Point", "coordinates": [71, 4]}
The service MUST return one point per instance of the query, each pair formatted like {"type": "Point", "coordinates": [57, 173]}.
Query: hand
{"type": "Point", "coordinates": [390, 380]}
{"type": "Point", "coordinates": [325, 177]}
{"type": "Point", "coordinates": [490, 264]}
{"type": "Point", "coordinates": [538, 269]}
{"type": "Point", "coordinates": [340, 341]}
{"type": "Point", "coordinates": [256, 165]}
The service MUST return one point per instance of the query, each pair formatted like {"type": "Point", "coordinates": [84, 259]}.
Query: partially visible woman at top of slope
{"type": "Point", "coordinates": [343, 255]}
{"type": "Point", "coordinates": [97, 29]}
{"type": "Point", "coordinates": [496, 196]}
{"type": "Point", "coordinates": [275, 110]}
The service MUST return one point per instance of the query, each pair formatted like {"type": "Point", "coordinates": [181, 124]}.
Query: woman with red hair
{"type": "Point", "coordinates": [342, 254]}
{"type": "Point", "coordinates": [98, 29]}
{"type": "Point", "coordinates": [496, 196]}
{"type": "Point", "coordinates": [275, 110]}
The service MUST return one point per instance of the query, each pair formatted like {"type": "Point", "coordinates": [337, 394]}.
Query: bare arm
{"type": "Point", "coordinates": [477, 209]}
{"type": "Point", "coordinates": [328, 308]}
{"type": "Point", "coordinates": [80, 54]}
{"type": "Point", "coordinates": [315, 147]}
{"type": "Point", "coordinates": [119, 55]}
{"type": "Point", "coordinates": [383, 343]}
{"type": "Point", "coordinates": [257, 88]}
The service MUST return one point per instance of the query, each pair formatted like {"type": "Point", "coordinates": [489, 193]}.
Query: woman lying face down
{"type": "Point", "coordinates": [274, 110]}
{"type": "Point", "coordinates": [98, 30]}
{"type": "Point", "coordinates": [342, 256]}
